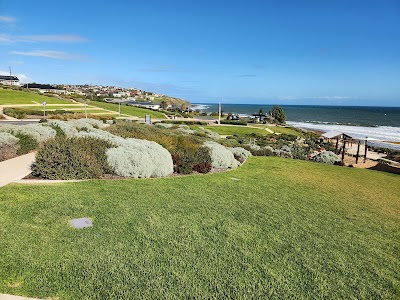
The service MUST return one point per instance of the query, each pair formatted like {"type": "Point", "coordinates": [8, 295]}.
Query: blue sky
{"type": "Point", "coordinates": [329, 52]}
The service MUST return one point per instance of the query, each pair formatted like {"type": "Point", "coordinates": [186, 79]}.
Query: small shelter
{"type": "Point", "coordinates": [346, 138]}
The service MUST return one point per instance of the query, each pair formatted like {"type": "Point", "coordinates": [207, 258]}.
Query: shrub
{"type": "Point", "coordinates": [164, 125]}
{"type": "Point", "coordinates": [209, 133]}
{"type": "Point", "coordinates": [240, 153]}
{"type": "Point", "coordinates": [221, 157]}
{"type": "Point", "coordinates": [66, 127]}
{"type": "Point", "coordinates": [234, 122]}
{"type": "Point", "coordinates": [26, 143]}
{"type": "Point", "coordinates": [266, 151]}
{"type": "Point", "coordinates": [8, 146]}
{"type": "Point", "coordinates": [285, 152]}
{"type": "Point", "coordinates": [72, 158]}
{"type": "Point", "coordinates": [184, 149]}
{"type": "Point", "coordinates": [187, 160]}
{"type": "Point", "coordinates": [326, 157]}
{"type": "Point", "coordinates": [140, 159]}
{"type": "Point", "coordinates": [39, 132]}
{"type": "Point", "coordinates": [184, 122]}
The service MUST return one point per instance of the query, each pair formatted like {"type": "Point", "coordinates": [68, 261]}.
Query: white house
{"type": "Point", "coordinates": [9, 80]}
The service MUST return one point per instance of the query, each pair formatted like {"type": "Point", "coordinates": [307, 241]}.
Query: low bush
{"type": "Point", "coordinates": [72, 158]}
{"type": "Point", "coordinates": [40, 132]}
{"type": "Point", "coordinates": [184, 122]}
{"type": "Point", "coordinates": [240, 153]}
{"type": "Point", "coordinates": [26, 143]}
{"type": "Point", "coordinates": [264, 151]}
{"type": "Point", "coordinates": [234, 122]}
{"type": "Point", "coordinates": [140, 159]}
{"type": "Point", "coordinates": [187, 160]}
{"type": "Point", "coordinates": [221, 157]}
{"type": "Point", "coordinates": [185, 149]}
{"type": "Point", "coordinates": [326, 157]}
{"type": "Point", "coordinates": [8, 146]}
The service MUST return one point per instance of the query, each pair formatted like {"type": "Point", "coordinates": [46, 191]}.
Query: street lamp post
{"type": "Point", "coordinates": [44, 108]}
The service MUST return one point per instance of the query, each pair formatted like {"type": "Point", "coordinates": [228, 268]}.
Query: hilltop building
{"type": "Point", "coordinates": [9, 80]}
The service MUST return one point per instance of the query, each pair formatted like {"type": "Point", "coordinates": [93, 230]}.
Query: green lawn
{"type": "Point", "coordinates": [10, 97]}
{"type": "Point", "coordinates": [129, 110]}
{"type": "Point", "coordinates": [236, 129]}
{"type": "Point", "coordinates": [288, 229]}
{"type": "Point", "coordinates": [280, 129]}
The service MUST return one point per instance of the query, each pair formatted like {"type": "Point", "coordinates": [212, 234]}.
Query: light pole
{"type": "Point", "coordinates": [44, 108]}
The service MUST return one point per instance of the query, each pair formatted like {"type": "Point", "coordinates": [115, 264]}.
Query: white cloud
{"type": "Point", "coordinates": [7, 19]}
{"type": "Point", "coordinates": [22, 77]}
{"type": "Point", "coordinates": [336, 97]}
{"type": "Point", "coordinates": [48, 54]}
{"type": "Point", "coordinates": [46, 38]}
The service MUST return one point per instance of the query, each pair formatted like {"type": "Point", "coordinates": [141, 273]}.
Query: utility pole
{"type": "Point", "coordinates": [10, 76]}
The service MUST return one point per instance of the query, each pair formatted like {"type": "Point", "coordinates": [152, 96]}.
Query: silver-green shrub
{"type": "Point", "coordinates": [140, 159]}
{"type": "Point", "coordinates": [8, 140]}
{"type": "Point", "coordinates": [164, 125]}
{"type": "Point", "coordinates": [103, 135]}
{"type": "Point", "coordinates": [65, 126]}
{"type": "Point", "coordinates": [326, 157]}
{"type": "Point", "coordinates": [285, 152]}
{"type": "Point", "coordinates": [240, 152]}
{"type": "Point", "coordinates": [39, 132]}
{"type": "Point", "coordinates": [221, 157]}
{"type": "Point", "coordinates": [9, 146]}
{"type": "Point", "coordinates": [210, 133]}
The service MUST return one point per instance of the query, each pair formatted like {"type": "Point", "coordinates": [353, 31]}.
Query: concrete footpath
{"type": "Point", "coordinates": [11, 297]}
{"type": "Point", "coordinates": [16, 168]}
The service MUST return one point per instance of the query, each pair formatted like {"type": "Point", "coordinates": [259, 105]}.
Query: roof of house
{"type": "Point", "coordinates": [39, 86]}
{"type": "Point", "coordinates": [333, 134]}
{"type": "Point", "coordinates": [8, 77]}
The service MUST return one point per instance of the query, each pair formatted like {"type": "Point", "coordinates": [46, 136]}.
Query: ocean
{"type": "Point", "coordinates": [381, 123]}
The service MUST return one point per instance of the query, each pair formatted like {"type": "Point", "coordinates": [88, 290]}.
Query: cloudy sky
{"type": "Point", "coordinates": [330, 52]}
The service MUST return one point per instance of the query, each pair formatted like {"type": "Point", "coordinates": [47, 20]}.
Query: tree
{"type": "Point", "coordinates": [278, 115]}
{"type": "Point", "coordinates": [163, 104]}
{"type": "Point", "coordinates": [229, 117]}
{"type": "Point", "coordinates": [261, 112]}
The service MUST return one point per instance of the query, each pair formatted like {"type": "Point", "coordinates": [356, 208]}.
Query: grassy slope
{"type": "Point", "coordinates": [230, 130]}
{"type": "Point", "coordinates": [10, 97]}
{"type": "Point", "coordinates": [288, 229]}
{"type": "Point", "coordinates": [129, 110]}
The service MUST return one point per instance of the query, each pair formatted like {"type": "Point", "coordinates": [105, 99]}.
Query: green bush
{"type": "Point", "coordinates": [184, 122]}
{"type": "Point", "coordinates": [26, 143]}
{"type": "Point", "coordinates": [234, 122]}
{"type": "Point", "coordinates": [72, 158]}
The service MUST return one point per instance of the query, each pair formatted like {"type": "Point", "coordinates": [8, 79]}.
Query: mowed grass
{"type": "Point", "coordinates": [129, 110]}
{"type": "Point", "coordinates": [288, 229]}
{"type": "Point", "coordinates": [235, 129]}
{"type": "Point", "coordinates": [11, 97]}
{"type": "Point", "coordinates": [281, 129]}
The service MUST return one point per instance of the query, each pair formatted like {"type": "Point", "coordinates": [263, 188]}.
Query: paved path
{"type": "Point", "coordinates": [11, 297]}
{"type": "Point", "coordinates": [16, 168]}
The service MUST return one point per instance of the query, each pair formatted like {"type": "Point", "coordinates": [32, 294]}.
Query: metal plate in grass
{"type": "Point", "coordinates": [81, 223]}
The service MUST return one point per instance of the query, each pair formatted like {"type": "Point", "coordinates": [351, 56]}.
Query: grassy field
{"type": "Point", "coordinates": [231, 130]}
{"type": "Point", "coordinates": [129, 110]}
{"type": "Point", "coordinates": [280, 129]}
{"type": "Point", "coordinates": [288, 229]}
{"type": "Point", "coordinates": [10, 97]}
